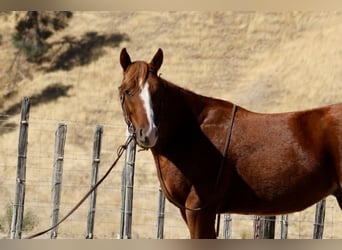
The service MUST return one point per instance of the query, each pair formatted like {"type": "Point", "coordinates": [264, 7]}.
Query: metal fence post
{"type": "Point", "coordinates": [319, 220]}
{"type": "Point", "coordinates": [264, 227]}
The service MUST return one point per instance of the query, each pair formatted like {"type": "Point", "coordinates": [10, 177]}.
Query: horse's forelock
{"type": "Point", "coordinates": [137, 72]}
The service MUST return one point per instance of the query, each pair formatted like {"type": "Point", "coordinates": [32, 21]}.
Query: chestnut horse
{"type": "Point", "coordinates": [215, 157]}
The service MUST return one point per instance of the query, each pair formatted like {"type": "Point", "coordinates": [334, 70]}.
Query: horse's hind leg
{"type": "Point", "coordinates": [335, 159]}
{"type": "Point", "coordinates": [338, 195]}
{"type": "Point", "coordinates": [338, 191]}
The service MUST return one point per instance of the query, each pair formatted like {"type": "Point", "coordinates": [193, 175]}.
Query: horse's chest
{"type": "Point", "coordinates": [173, 182]}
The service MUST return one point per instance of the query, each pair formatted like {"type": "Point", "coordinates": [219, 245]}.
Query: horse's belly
{"type": "Point", "coordinates": [276, 178]}
{"type": "Point", "coordinates": [261, 207]}
{"type": "Point", "coordinates": [277, 199]}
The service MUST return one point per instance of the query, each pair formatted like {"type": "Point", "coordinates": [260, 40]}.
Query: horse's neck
{"type": "Point", "coordinates": [181, 143]}
{"type": "Point", "coordinates": [188, 103]}
{"type": "Point", "coordinates": [180, 109]}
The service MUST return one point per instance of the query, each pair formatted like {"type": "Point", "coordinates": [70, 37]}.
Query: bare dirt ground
{"type": "Point", "coordinates": [265, 62]}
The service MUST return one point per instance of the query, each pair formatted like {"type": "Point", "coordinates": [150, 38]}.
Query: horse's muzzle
{"type": "Point", "coordinates": [147, 138]}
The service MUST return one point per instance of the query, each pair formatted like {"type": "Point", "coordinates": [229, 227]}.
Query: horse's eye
{"type": "Point", "coordinates": [129, 92]}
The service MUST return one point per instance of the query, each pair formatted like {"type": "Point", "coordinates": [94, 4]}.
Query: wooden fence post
{"type": "Point", "coordinates": [94, 175]}
{"type": "Point", "coordinates": [161, 215]}
{"type": "Point", "coordinates": [264, 227]}
{"type": "Point", "coordinates": [227, 226]}
{"type": "Point", "coordinates": [57, 176]}
{"type": "Point", "coordinates": [19, 200]}
{"type": "Point", "coordinates": [319, 220]}
{"type": "Point", "coordinates": [129, 184]}
{"type": "Point", "coordinates": [283, 226]}
{"type": "Point", "coordinates": [123, 199]}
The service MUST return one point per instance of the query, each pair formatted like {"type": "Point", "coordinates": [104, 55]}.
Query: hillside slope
{"type": "Point", "coordinates": [266, 62]}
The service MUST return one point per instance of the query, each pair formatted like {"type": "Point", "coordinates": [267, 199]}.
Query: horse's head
{"type": "Point", "coordinates": [138, 94]}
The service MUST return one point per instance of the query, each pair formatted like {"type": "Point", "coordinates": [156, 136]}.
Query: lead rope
{"type": "Point", "coordinates": [121, 149]}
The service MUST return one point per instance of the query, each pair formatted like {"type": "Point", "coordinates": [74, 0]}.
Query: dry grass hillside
{"type": "Point", "coordinates": [265, 62]}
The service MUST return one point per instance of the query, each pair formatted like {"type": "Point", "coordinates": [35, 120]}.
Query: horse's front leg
{"type": "Point", "coordinates": [201, 223]}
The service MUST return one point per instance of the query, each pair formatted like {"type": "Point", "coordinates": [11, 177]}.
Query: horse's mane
{"type": "Point", "coordinates": [139, 71]}
{"type": "Point", "coordinates": [188, 92]}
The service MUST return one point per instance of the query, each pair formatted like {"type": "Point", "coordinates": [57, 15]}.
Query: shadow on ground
{"type": "Point", "coordinates": [65, 54]}
{"type": "Point", "coordinates": [49, 94]}
{"type": "Point", "coordinates": [72, 52]}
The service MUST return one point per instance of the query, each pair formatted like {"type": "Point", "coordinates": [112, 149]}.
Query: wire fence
{"type": "Point", "coordinates": [77, 178]}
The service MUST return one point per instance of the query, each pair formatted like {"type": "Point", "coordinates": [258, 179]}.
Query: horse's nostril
{"type": "Point", "coordinates": [146, 138]}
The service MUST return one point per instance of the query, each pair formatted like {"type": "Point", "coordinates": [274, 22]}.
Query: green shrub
{"type": "Point", "coordinates": [33, 30]}
{"type": "Point", "coordinates": [29, 222]}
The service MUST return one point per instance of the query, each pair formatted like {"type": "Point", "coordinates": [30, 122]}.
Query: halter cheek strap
{"type": "Point", "coordinates": [130, 126]}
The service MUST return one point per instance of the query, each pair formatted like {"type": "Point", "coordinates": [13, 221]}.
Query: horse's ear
{"type": "Point", "coordinates": [125, 59]}
{"type": "Point", "coordinates": [157, 60]}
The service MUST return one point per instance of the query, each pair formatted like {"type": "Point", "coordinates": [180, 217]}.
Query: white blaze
{"type": "Point", "coordinates": [146, 98]}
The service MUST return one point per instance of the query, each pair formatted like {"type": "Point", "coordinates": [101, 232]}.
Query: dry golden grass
{"type": "Point", "coordinates": [266, 62]}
